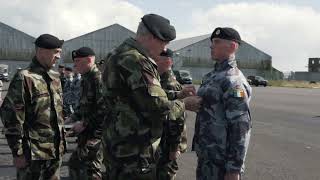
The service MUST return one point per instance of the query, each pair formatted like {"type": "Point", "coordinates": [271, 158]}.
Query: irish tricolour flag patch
{"type": "Point", "coordinates": [238, 93]}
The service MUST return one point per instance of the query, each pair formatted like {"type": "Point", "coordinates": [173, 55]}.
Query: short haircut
{"type": "Point", "coordinates": [142, 30]}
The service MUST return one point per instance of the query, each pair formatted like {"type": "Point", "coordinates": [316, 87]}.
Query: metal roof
{"type": "Point", "coordinates": [181, 43]}
{"type": "Point", "coordinates": [116, 25]}
{"type": "Point", "coordinates": [12, 29]}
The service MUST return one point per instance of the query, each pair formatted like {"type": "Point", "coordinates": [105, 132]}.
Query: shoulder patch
{"type": "Point", "coordinates": [238, 92]}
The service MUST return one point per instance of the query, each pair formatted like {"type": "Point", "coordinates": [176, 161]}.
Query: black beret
{"type": "Point", "coordinates": [82, 52]}
{"type": "Point", "coordinates": [159, 26]}
{"type": "Point", "coordinates": [48, 41]}
{"type": "Point", "coordinates": [61, 66]}
{"type": "Point", "coordinates": [167, 53]}
{"type": "Point", "coordinates": [68, 69]}
{"type": "Point", "coordinates": [226, 33]}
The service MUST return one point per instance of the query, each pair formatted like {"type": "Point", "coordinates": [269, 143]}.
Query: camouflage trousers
{"type": "Point", "coordinates": [85, 162]}
{"type": "Point", "coordinates": [132, 168]}
{"type": "Point", "coordinates": [208, 170]}
{"type": "Point", "coordinates": [166, 168]}
{"type": "Point", "coordinates": [131, 171]}
{"type": "Point", "coordinates": [40, 169]}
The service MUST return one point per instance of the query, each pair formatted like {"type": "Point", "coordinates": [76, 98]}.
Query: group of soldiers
{"type": "Point", "coordinates": [70, 83]}
{"type": "Point", "coordinates": [131, 115]}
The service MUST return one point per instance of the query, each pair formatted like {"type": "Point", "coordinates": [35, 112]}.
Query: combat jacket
{"type": "Point", "coordinates": [222, 128]}
{"type": "Point", "coordinates": [91, 104]}
{"type": "Point", "coordinates": [32, 114]}
{"type": "Point", "coordinates": [139, 105]}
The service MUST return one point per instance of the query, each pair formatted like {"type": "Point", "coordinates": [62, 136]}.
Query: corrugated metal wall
{"type": "Point", "coordinates": [17, 48]}
{"type": "Point", "coordinates": [198, 55]}
{"type": "Point", "coordinates": [15, 44]}
{"type": "Point", "coordinates": [101, 41]}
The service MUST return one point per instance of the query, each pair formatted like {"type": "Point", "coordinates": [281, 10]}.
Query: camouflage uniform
{"type": "Point", "coordinates": [32, 117]}
{"type": "Point", "coordinates": [62, 80]}
{"type": "Point", "coordinates": [174, 137]}
{"type": "Point", "coordinates": [75, 88]}
{"type": "Point", "coordinates": [223, 124]}
{"type": "Point", "coordinates": [68, 97]}
{"type": "Point", "coordinates": [85, 162]}
{"type": "Point", "coordinates": [139, 108]}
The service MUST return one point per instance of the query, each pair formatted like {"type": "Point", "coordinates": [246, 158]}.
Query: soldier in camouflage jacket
{"type": "Point", "coordinates": [32, 114]}
{"type": "Point", "coordinates": [223, 123]}
{"type": "Point", "coordinates": [174, 138]}
{"type": "Point", "coordinates": [85, 162]}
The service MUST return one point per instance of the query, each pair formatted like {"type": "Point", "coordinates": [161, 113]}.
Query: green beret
{"type": "Point", "coordinates": [159, 26]}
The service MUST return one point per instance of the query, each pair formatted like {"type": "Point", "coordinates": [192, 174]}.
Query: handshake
{"type": "Point", "coordinates": [191, 100]}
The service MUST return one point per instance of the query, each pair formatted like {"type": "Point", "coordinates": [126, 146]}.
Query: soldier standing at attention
{"type": "Point", "coordinates": [174, 138]}
{"type": "Point", "coordinates": [85, 162]}
{"type": "Point", "coordinates": [32, 114]}
{"type": "Point", "coordinates": [223, 123]}
{"type": "Point", "coordinates": [139, 106]}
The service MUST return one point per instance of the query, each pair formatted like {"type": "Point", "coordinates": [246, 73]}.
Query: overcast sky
{"type": "Point", "coordinates": [287, 30]}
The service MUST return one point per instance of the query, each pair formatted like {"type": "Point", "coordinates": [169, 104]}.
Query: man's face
{"type": "Point", "coordinates": [156, 46]}
{"type": "Point", "coordinates": [164, 64]}
{"type": "Point", "coordinates": [49, 57]}
{"type": "Point", "coordinates": [220, 49]}
{"type": "Point", "coordinates": [68, 74]}
{"type": "Point", "coordinates": [75, 71]}
{"type": "Point", "coordinates": [82, 64]}
{"type": "Point", "coordinates": [61, 70]}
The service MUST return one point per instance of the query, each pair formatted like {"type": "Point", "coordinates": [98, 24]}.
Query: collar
{"type": "Point", "coordinates": [92, 69]}
{"type": "Point", "coordinates": [36, 67]}
{"type": "Point", "coordinates": [77, 76]}
{"type": "Point", "coordinates": [221, 66]}
{"type": "Point", "coordinates": [134, 44]}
